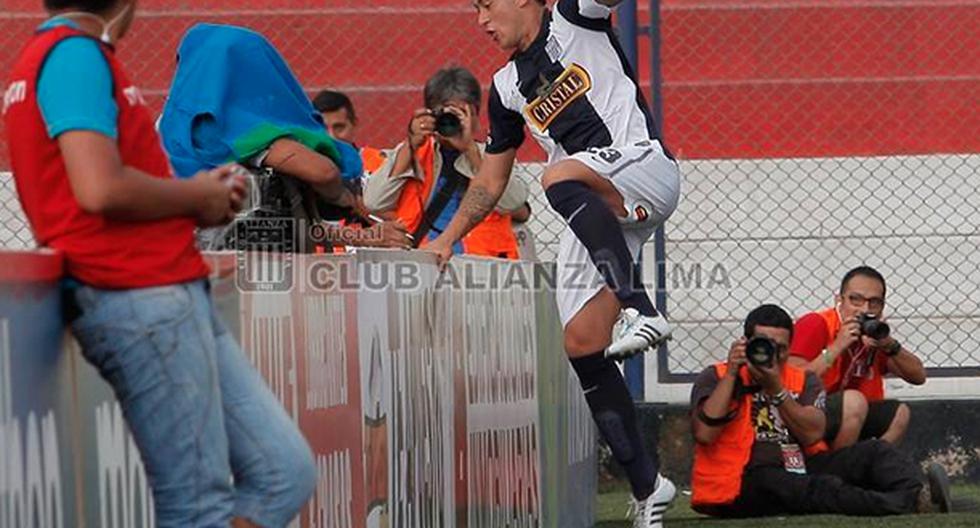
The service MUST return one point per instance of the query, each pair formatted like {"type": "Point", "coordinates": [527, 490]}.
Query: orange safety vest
{"type": "Point", "coordinates": [493, 237]}
{"type": "Point", "coordinates": [717, 475]}
{"type": "Point", "coordinates": [372, 159]}
{"type": "Point", "coordinates": [873, 387]}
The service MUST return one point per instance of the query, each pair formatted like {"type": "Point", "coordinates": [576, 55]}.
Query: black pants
{"type": "Point", "coordinates": [869, 478]}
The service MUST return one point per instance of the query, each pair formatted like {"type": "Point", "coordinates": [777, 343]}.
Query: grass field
{"type": "Point", "coordinates": [612, 505]}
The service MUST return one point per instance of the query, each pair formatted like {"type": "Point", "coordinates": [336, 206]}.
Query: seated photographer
{"type": "Point", "coordinates": [758, 427]}
{"type": "Point", "coordinates": [233, 98]}
{"type": "Point", "coordinates": [851, 347]}
{"type": "Point", "coordinates": [422, 180]}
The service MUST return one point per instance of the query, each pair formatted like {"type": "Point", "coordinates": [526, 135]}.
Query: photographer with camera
{"type": "Point", "coordinates": [758, 427]}
{"type": "Point", "coordinates": [851, 347]}
{"type": "Point", "coordinates": [422, 180]}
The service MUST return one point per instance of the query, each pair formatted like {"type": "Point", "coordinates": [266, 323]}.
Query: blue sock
{"type": "Point", "coordinates": [597, 227]}
{"type": "Point", "coordinates": [614, 414]}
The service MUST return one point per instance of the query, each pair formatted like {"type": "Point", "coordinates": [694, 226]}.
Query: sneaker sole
{"type": "Point", "coordinates": [630, 353]}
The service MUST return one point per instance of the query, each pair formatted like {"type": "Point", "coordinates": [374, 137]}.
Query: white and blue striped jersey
{"type": "Point", "coordinates": [573, 88]}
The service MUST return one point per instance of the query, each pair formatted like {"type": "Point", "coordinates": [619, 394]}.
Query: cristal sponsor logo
{"type": "Point", "coordinates": [16, 93]}
{"type": "Point", "coordinates": [553, 99]}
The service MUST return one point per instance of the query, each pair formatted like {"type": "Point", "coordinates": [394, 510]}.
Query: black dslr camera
{"type": "Point", "coordinates": [448, 124]}
{"type": "Point", "coordinates": [761, 352]}
{"type": "Point", "coordinates": [872, 327]}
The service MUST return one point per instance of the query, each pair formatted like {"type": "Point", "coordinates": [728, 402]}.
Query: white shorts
{"type": "Point", "coordinates": [647, 179]}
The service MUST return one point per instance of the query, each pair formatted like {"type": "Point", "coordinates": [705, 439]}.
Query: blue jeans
{"type": "Point", "coordinates": [215, 442]}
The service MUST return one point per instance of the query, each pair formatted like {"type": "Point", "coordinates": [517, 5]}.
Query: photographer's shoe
{"type": "Point", "coordinates": [634, 333]}
{"type": "Point", "coordinates": [939, 494]}
{"type": "Point", "coordinates": [649, 513]}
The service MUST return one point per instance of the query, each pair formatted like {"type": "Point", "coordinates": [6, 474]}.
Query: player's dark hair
{"type": "Point", "coordinates": [863, 271]}
{"type": "Point", "coordinates": [768, 315]}
{"type": "Point", "coordinates": [331, 101]}
{"type": "Point", "coordinates": [90, 6]}
{"type": "Point", "coordinates": [451, 83]}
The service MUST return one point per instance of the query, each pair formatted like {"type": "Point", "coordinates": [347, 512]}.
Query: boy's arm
{"type": "Point", "coordinates": [103, 185]}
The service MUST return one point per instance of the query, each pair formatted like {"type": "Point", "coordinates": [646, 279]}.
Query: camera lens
{"type": "Point", "coordinates": [448, 124]}
{"type": "Point", "coordinates": [873, 328]}
{"type": "Point", "coordinates": [760, 351]}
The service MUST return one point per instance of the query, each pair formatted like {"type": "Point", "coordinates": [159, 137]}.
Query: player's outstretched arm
{"type": "Point", "coordinates": [484, 191]}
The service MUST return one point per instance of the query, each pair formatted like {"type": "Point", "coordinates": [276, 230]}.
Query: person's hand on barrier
{"type": "Point", "coordinates": [393, 235]}
{"type": "Point", "coordinates": [421, 127]}
{"type": "Point", "coordinates": [222, 193]}
{"type": "Point", "coordinates": [464, 141]}
{"type": "Point", "coordinates": [736, 357]}
{"type": "Point", "coordinates": [443, 250]}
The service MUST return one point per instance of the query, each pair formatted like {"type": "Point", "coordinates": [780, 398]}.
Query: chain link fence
{"type": "Point", "coordinates": [14, 231]}
{"type": "Point", "coordinates": [379, 52]}
{"type": "Point", "coordinates": [813, 136]}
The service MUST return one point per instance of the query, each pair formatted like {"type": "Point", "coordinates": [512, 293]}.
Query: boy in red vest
{"type": "Point", "coordinates": [95, 185]}
{"type": "Point", "coordinates": [759, 431]}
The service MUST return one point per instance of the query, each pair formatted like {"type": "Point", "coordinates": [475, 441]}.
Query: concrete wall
{"type": "Point", "coordinates": [944, 431]}
{"type": "Point", "coordinates": [424, 405]}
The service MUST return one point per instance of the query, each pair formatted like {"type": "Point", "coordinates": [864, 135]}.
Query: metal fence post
{"type": "Point", "coordinates": [660, 237]}
{"type": "Point", "coordinates": [628, 38]}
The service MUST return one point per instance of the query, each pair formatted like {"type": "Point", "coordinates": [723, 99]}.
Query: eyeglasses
{"type": "Point", "coordinates": [856, 299]}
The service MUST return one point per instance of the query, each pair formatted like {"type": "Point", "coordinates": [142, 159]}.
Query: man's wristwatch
{"type": "Point", "coordinates": [893, 349]}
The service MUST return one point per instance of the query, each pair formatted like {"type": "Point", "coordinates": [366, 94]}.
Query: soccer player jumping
{"type": "Point", "coordinates": [612, 180]}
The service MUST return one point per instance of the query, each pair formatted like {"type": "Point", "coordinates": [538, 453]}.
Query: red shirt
{"type": "Point", "coordinates": [857, 368]}
{"type": "Point", "coordinates": [98, 251]}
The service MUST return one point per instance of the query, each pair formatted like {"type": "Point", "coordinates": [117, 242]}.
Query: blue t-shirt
{"type": "Point", "coordinates": [74, 88]}
{"type": "Point", "coordinates": [449, 157]}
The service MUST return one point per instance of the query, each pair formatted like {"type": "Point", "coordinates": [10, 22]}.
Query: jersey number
{"type": "Point", "coordinates": [608, 154]}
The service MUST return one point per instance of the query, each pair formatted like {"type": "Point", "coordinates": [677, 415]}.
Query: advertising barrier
{"type": "Point", "coordinates": [429, 399]}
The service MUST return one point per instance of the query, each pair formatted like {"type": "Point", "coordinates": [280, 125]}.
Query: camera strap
{"type": "Point", "coordinates": [454, 181]}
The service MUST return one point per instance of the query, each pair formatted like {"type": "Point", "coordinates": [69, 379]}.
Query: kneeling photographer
{"type": "Point", "coordinates": [758, 424]}
{"type": "Point", "coordinates": [852, 347]}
